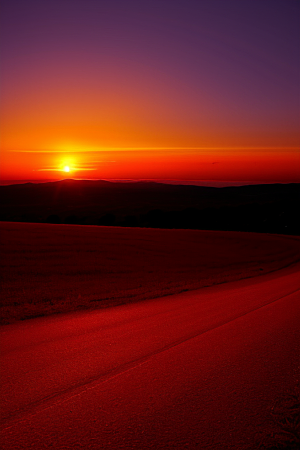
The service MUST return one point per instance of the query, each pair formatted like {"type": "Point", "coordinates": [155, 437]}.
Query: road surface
{"type": "Point", "coordinates": [197, 370]}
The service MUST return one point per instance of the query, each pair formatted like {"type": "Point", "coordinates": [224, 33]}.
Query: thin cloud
{"type": "Point", "coordinates": [136, 149]}
{"type": "Point", "coordinates": [54, 169]}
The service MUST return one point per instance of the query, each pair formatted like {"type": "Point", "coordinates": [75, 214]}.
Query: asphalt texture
{"type": "Point", "coordinates": [198, 370]}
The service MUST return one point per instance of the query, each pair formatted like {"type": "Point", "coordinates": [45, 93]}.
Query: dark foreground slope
{"type": "Point", "coordinates": [260, 208]}
{"type": "Point", "coordinates": [48, 268]}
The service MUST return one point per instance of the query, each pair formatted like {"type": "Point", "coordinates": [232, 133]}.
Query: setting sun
{"type": "Point", "coordinates": [67, 169]}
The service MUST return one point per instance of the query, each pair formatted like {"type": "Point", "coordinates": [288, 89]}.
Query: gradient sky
{"type": "Point", "coordinates": [159, 89]}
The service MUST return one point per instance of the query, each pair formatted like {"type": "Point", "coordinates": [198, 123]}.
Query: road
{"type": "Point", "coordinates": [197, 370]}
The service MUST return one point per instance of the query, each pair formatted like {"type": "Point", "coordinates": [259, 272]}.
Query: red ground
{"type": "Point", "coordinates": [201, 369]}
{"type": "Point", "coordinates": [59, 268]}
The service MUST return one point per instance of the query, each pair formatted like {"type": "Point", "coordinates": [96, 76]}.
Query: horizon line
{"type": "Point", "coordinates": [194, 182]}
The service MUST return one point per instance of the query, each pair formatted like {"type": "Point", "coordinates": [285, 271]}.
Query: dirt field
{"type": "Point", "coordinates": [48, 269]}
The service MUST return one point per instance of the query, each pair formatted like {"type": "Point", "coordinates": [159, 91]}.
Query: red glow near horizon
{"type": "Point", "coordinates": [255, 165]}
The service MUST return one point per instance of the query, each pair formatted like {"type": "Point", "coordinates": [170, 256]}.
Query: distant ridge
{"type": "Point", "coordinates": [262, 208]}
{"type": "Point", "coordinates": [207, 183]}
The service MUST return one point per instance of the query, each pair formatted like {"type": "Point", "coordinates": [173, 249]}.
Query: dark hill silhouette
{"type": "Point", "coordinates": [263, 208]}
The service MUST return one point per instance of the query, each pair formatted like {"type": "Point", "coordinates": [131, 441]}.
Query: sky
{"type": "Point", "coordinates": [153, 89]}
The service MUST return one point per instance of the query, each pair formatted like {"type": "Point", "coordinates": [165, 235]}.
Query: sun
{"type": "Point", "coordinates": [67, 166]}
